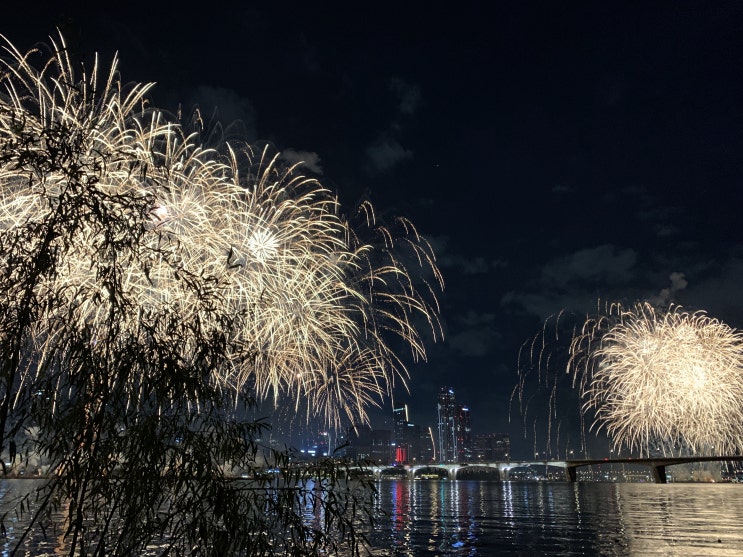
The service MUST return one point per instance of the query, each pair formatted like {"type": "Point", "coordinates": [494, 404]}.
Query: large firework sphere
{"type": "Point", "coordinates": [662, 378]}
{"type": "Point", "coordinates": [224, 235]}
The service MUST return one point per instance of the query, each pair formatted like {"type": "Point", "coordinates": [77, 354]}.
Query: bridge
{"type": "Point", "coordinates": [657, 466]}
{"type": "Point", "coordinates": [451, 470]}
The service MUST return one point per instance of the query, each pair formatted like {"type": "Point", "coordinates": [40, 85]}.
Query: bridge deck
{"type": "Point", "coordinates": [656, 464]}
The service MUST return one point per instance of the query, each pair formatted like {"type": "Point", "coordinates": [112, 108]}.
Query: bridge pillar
{"type": "Point", "coordinates": [659, 473]}
{"type": "Point", "coordinates": [452, 472]}
{"type": "Point", "coordinates": [571, 473]}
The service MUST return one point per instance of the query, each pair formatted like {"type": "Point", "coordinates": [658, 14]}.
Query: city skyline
{"type": "Point", "coordinates": [395, 440]}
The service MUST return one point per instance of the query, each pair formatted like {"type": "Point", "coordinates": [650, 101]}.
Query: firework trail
{"type": "Point", "coordinates": [544, 397]}
{"type": "Point", "coordinates": [312, 300]}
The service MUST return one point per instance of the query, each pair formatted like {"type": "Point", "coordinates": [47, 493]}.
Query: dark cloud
{"type": "Point", "coordinates": [668, 295]}
{"type": "Point", "coordinates": [387, 150]}
{"type": "Point", "coordinates": [576, 281]}
{"type": "Point", "coordinates": [303, 159]}
{"type": "Point", "coordinates": [466, 265]}
{"type": "Point", "coordinates": [545, 304]}
{"type": "Point", "coordinates": [666, 230]}
{"type": "Point", "coordinates": [408, 95]}
{"type": "Point", "coordinates": [602, 264]}
{"type": "Point", "coordinates": [718, 291]}
{"type": "Point", "coordinates": [476, 335]}
{"type": "Point", "coordinates": [471, 265]}
{"type": "Point", "coordinates": [385, 153]}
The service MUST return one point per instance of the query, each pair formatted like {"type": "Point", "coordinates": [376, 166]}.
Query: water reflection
{"type": "Point", "coordinates": [540, 518]}
{"type": "Point", "coordinates": [524, 519]}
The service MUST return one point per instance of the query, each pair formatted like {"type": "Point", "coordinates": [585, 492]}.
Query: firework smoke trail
{"type": "Point", "coordinates": [544, 396]}
{"type": "Point", "coordinates": [312, 298]}
{"type": "Point", "coordinates": [669, 379]}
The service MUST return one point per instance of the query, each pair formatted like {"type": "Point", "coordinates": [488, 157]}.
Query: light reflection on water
{"type": "Point", "coordinates": [524, 519]}
{"type": "Point", "coordinates": [539, 518]}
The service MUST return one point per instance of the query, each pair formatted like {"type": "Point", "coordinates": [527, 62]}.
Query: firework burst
{"type": "Point", "coordinates": [313, 301]}
{"type": "Point", "coordinates": [670, 379]}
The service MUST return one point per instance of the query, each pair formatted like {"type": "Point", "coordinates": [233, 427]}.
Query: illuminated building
{"type": "Point", "coordinates": [447, 415]}
{"type": "Point", "coordinates": [410, 445]}
{"type": "Point", "coordinates": [402, 445]}
{"type": "Point", "coordinates": [464, 434]}
{"type": "Point", "coordinates": [455, 429]}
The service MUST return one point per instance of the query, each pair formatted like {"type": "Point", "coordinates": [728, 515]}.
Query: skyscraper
{"type": "Point", "coordinates": [447, 414]}
{"type": "Point", "coordinates": [402, 444]}
{"type": "Point", "coordinates": [464, 434]}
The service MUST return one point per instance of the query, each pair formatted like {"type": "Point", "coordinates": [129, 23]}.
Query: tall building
{"type": "Point", "coordinates": [402, 446]}
{"type": "Point", "coordinates": [464, 435]}
{"type": "Point", "coordinates": [455, 429]}
{"type": "Point", "coordinates": [408, 447]}
{"type": "Point", "coordinates": [447, 415]}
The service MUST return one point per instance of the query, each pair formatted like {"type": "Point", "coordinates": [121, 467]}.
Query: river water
{"type": "Point", "coordinates": [525, 519]}
{"type": "Point", "coordinates": [439, 518]}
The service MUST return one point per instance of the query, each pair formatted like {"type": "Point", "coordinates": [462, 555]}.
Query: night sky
{"type": "Point", "coordinates": [555, 154]}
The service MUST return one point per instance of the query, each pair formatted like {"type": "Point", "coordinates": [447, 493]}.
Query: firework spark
{"type": "Point", "coordinates": [670, 379]}
{"type": "Point", "coordinates": [312, 298]}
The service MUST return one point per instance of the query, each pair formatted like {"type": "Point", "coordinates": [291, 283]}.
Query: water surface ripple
{"type": "Point", "coordinates": [521, 519]}
{"type": "Point", "coordinates": [437, 518]}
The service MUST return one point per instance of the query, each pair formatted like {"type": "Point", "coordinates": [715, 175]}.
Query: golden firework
{"type": "Point", "coordinates": [668, 379]}
{"type": "Point", "coordinates": [223, 236]}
